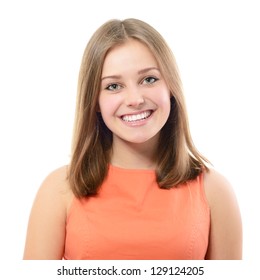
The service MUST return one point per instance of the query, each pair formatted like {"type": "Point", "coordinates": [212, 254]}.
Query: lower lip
{"type": "Point", "coordinates": [137, 123]}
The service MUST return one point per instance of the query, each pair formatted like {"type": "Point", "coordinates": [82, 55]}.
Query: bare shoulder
{"type": "Point", "coordinates": [217, 187]}
{"type": "Point", "coordinates": [47, 222]}
{"type": "Point", "coordinates": [225, 240]}
{"type": "Point", "coordinates": [58, 177]}
{"type": "Point", "coordinates": [56, 186]}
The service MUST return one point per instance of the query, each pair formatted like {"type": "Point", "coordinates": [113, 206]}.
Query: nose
{"type": "Point", "coordinates": [134, 97]}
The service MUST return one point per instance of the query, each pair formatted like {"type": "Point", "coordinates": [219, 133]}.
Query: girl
{"type": "Point", "coordinates": [136, 187]}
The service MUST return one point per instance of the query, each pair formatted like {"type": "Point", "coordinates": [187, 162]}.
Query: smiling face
{"type": "Point", "coordinates": [134, 100]}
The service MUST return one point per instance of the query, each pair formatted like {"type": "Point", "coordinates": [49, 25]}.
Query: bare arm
{"type": "Point", "coordinates": [46, 228]}
{"type": "Point", "coordinates": [225, 240]}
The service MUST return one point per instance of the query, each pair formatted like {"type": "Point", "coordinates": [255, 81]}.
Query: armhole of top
{"type": "Point", "coordinates": [203, 191]}
{"type": "Point", "coordinates": [71, 206]}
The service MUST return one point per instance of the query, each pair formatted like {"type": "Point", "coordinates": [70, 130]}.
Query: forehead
{"type": "Point", "coordinates": [131, 54]}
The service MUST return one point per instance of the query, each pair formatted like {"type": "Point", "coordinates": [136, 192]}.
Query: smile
{"type": "Point", "coordinates": [137, 117]}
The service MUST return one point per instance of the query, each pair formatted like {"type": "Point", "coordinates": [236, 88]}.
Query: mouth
{"type": "Point", "coordinates": [137, 117]}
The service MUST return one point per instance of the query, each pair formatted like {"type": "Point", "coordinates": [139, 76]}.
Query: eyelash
{"type": "Point", "coordinates": [151, 77]}
{"type": "Point", "coordinates": [112, 85]}
{"type": "Point", "coordinates": [144, 81]}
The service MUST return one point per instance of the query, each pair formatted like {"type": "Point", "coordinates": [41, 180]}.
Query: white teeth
{"type": "Point", "coordinates": [138, 117]}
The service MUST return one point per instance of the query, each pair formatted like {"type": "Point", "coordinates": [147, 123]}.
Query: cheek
{"type": "Point", "coordinates": [163, 99]}
{"type": "Point", "coordinates": [107, 106]}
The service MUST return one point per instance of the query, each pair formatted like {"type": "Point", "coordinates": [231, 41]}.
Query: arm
{"type": "Point", "coordinates": [46, 228]}
{"type": "Point", "coordinates": [225, 240]}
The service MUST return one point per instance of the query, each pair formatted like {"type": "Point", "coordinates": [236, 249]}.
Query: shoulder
{"type": "Point", "coordinates": [225, 240]}
{"type": "Point", "coordinates": [216, 186]}
{"type": "Point", "coordinates": [219, 191]}
{"type": "Point", "coordinates": [55, 189]}
{"type": "Point", "coordinates": [58, 175]}
{"type": "Point", "coordinates": [46, 227]}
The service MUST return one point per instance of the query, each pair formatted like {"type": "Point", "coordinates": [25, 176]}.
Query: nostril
{"type": "Point", "coordinates": [135, 101]}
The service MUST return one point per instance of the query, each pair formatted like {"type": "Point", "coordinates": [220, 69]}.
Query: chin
{"type": "Point", "coordinates": [142, 140]}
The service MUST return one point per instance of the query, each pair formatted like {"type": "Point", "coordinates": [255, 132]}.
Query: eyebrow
{"type": "Point", "coordinates": [142, 71]}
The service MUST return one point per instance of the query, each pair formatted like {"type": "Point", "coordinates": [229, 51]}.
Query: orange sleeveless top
{"type": "Point", "coordinates": [131, 218]}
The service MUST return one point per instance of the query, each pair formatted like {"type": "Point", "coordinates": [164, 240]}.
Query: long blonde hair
{"type": "Point", "coordinates": [178, 159]}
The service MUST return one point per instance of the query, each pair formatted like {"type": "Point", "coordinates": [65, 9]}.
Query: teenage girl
{"type": "Point", "coordinates": [136, 186]}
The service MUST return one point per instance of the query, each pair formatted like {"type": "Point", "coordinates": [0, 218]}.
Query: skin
{"type": "Point", "coordinates": [129, 91]}
{"type": "Point", "coordinates": [46, 228]}
{"type": "Point", "coordinates": [126, 93]}
{"type": "Point", "coordinates": [225, 240]}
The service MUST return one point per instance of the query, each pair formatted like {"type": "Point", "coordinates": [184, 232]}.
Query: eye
{"type": "Point", "coordinates": [150, 80]}
{"type": "Point", "coordinates": [113, 87]}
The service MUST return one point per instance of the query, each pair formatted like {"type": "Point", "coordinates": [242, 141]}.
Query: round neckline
{"type": "Point", "coordinates": [131, 170]}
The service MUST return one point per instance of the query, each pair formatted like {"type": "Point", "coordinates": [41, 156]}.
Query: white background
{"type": "Point", "coordinates": [216, 44]}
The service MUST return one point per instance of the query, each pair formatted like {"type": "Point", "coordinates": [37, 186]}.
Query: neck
{"type": "Point", "coordinates": [134, 156]}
